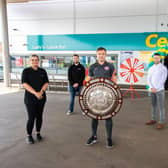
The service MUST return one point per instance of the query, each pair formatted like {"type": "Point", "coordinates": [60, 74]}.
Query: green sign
{"type": "Point", "coordinates": [111, 41]}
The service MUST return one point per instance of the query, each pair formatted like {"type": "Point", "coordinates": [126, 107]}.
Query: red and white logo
{"type": "Point", "coordinates": [106, 68]}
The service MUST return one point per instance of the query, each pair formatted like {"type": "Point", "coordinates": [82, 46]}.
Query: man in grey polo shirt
{"type": "Point", "coordinates": [104, 69]}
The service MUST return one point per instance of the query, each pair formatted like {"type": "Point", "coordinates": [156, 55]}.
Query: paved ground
{"type": "Point", "coordinates": [5, 90]}
{"type": "Point", "coordinates": [136, 145]}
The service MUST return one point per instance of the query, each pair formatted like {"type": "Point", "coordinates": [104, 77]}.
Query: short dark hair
{"type": "Point", "coordinates": [35, 55]}
{"type": "Point", "coordinates": [156, 54]}
{"type": "Point", "coordinates": [76, 55]}
{"type": "Point", "coordinates": [100, 49]}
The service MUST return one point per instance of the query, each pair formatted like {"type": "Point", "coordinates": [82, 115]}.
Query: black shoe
{"type": "Point", "coordinates": [91, 140]}
{"type": "Point", "coordinates": [30, 139]}
{"type": "Point", "coordinates": [109, 143]}
{"type": "Point", "coordinates": [39, 137]}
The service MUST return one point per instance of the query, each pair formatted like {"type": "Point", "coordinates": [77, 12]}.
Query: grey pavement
{"type": "Point", "coordinates": [136, 145]}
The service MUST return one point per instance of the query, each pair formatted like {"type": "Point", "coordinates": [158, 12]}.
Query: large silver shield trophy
{"type": "Point", "coordinates": [100, 99]}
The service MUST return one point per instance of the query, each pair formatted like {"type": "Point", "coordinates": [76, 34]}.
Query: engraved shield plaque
{"type": "Point", "coordinates": [100, 99]}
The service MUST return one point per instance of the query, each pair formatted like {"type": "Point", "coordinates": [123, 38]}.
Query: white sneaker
{"type": "Point", "coordinates": [83, 113]}
{"type": "Point", "coordinates": [69, 112]}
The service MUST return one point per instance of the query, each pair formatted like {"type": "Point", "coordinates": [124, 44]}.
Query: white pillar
{"type": "Point", "coordinates": [5, 42]}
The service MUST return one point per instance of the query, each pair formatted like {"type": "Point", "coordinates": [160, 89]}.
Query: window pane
{"type": "Point", "coordinates": [62, 64]}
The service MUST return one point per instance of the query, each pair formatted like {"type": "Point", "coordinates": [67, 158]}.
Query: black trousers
{"type": "Point", "coordinates": [108, 124]}
{"type": "Point", "coordinates": [35, 114]}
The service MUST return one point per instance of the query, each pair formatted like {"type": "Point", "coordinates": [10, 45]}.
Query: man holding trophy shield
{"type": "Point", "coordinates": [101, 98]}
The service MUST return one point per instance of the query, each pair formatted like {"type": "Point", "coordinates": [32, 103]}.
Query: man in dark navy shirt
{"type": "Point", "coordinates": [35, 82]}
{"type": "Point", "coordinates": [76, 76]}
{"type": "Point", "coordinates": [104, 69]}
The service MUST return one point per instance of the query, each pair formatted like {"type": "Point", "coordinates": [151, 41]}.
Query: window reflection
{"type": "Point", "coordinates": [53, 64]}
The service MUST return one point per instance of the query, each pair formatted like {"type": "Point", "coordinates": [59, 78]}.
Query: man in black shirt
{"type": "Point", "coordinates": [76, 76]}
{"type": "Point", "coordinates": [104, 69]}
{"type": "Point", "coordinates": [35, 82]}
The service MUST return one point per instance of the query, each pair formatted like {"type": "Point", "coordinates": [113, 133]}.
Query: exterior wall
{"type": "Point", "coordinates": [93, 16]}
{"type": "Point", "coordinates": [83, 17]}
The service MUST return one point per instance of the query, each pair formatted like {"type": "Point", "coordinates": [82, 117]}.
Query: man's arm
{"type": "Point", "coordinates": [90, 75]}
{"type": "Point", "coordinates": [70, 76]}
{"type": "Point", "coordinates": [149, 78]}
{"type": "Point", "coordinates": [82, 78]}
{"type": "Point", "coordinates": [153, 89]}
{"type": "Point", "coordinates": [165, 74]}
{"type": "Point", "coordinates": [162, 77]}
{"type": "Point", "coordinates": [114, 77]}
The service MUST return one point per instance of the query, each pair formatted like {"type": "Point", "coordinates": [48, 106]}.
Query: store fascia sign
{"type": "Point", "coordinates": [148, 41]}
{"type": "Point", "coordinates": [153, 41]}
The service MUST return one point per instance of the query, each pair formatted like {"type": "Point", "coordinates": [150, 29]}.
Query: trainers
{"type": "Point", "coordinates": [109, 143]}
{"type": "Point", "coordinates": [160, 126]}
{"type": "Point", "coordinates": [30, 139]}
{"type": "Point", "coordinates": [92, 140]}
{"type": "Point", "coordinates": [151, 122]}
{"type": "Point", "coordinates": [69, 112]}
{"type": "Point", "coordinates": [83, 114]}
{"type": "Point", "coordinates": [39, 137]}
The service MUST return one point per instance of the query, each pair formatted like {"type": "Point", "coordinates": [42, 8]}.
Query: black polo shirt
{"type": "Point", "coordinates": [105, 70]}
{"type": "Point", "coordinates": [36, 79]}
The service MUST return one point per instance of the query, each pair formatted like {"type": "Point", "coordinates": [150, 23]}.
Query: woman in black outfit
{"type": "Point", "coordinates": [35, 81]}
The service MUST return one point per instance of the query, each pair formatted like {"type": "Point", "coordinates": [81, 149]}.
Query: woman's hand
{"type": "Point", "coordinates": [39, 95]}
